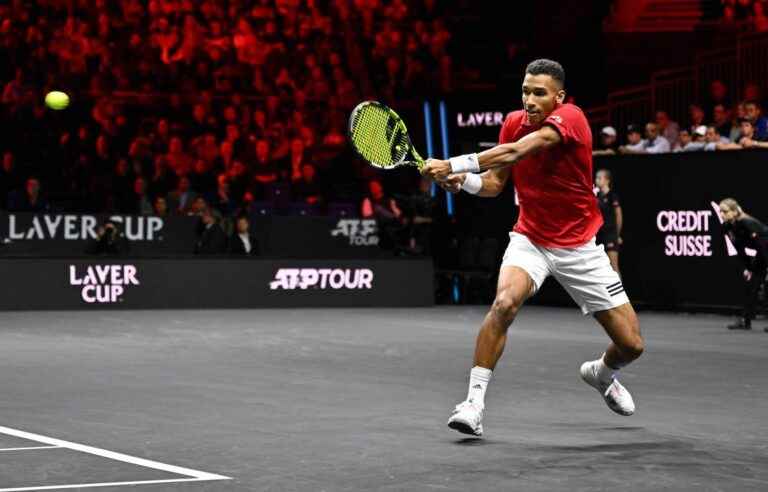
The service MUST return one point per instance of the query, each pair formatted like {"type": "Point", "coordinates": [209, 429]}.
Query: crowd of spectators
{"type": "Point", "coordinates": [754, 13]}
{"type": "Point", "coordinates": [717, 125]}
{"type": "Point", "coordinates": [186, 107]}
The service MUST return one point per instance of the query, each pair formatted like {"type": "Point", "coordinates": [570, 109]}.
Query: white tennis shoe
{"type": "Point", "coordinates": [467, 418]}
{"type": "Point", "coordinates": [615, 395]}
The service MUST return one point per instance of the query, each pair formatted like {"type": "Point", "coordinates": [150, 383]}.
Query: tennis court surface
{"type": "Point", "coordinates": [357, 399]}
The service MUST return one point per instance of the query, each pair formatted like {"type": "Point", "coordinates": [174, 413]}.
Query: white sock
{"type": "Point", "coordinates": [605, 373]}
{"type": "Point", "coordinates": [479, 377]}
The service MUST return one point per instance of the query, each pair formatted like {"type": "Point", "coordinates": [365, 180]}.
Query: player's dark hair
{"type": "Point", "coordinates": [543, 66]}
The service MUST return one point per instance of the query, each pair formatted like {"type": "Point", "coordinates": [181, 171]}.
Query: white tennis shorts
{"type": "Point", "coordinates": [584, 272]}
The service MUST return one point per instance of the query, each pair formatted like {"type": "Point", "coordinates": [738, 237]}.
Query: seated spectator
{"type": "Point", "coordinates": [718, 95]}
{"type": "Point", "coordinates": [160, 206]}
{"type": "Point", "coordinates": [713, 138]}
{"type": "Point", "coordinates": [607, 143]}
{"type": "Point", "coordinates": [307, 189]}
{"type": "Point", "coordinates": [753, 112]}
{"type": "Point", "coordinates": [239, 181]}
{"type": "Point", "coordinates": [109, 241]}
{"type": "Point", "coordinates": [182, 197]}
{"type": "Point", "coordinates": [28, 200]}
{"type": "Point", "coordinates": [653, 142]}
{"type": "Point", "coordinates": [10, 179]}
{"type": "Point", "coordinates": [420, 210]}
{"type": "Point", "coordinates": [635, 141]}
{"type": "Point", "coordinates": [388, 215]}
{"type": "Point", "coordinates": [722, 120]}
{"type": "Point", "coordinates": [211, 239]}
{"type": "Point", "coordinates": [223, 201]}
{"type": "Point", "coordinates": [266, 170]}
{"type": "Point", "coordinates": [122, 188]}
{"type": "Point", "coordinates": [163, 179]}
{"type": "Point", "coordinates": [692, 142]}
{"type": "Point", "coordinates": [141, 203]}
{"type": "Point", "coordinates": [697, 116]}
{"type": "Point", "coordinates": [242, 241]}
{"type": "Point", "coordinates": [749, 138]}
{"type": "Point", "coordinates": [667, 128]}
{"type": "Point", "coordinates": [746, 138]}
{"type": "Point", "coordinates": [202, 179]}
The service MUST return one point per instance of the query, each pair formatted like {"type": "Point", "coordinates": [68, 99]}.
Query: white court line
{"type": "Point", "coordinates": [195, 475]}
{"type": "Point", "coordinates": [105, 484]}
{"type": "Point", "coordinates": [29, 447]}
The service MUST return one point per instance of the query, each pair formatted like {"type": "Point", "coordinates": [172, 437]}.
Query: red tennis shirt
{"type": "Point", "coordinates": [558, 208]}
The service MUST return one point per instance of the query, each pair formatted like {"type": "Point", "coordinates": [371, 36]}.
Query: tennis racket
{"type": "Point", "coordinates": [379, 136]}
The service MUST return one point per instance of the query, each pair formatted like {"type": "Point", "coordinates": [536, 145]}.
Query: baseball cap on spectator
{"type": "Point", "coordinates": [634, 129]}
{"type": "Point", "coordinates": [700, 130]}
{"type": "Point", "coordinates": [608, 130]}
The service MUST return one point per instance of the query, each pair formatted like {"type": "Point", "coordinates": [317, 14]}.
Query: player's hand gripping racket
{"type": "Point", "coordinates": [380, 137]}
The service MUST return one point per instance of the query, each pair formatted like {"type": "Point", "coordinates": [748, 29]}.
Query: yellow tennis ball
{"type": "Point", "coordinates": [56, 100]}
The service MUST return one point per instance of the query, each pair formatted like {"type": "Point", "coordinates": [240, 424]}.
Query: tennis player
{"type": "Point", "coordinates": [547, 149]}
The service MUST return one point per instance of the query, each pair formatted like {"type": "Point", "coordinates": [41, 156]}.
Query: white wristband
{"type": "Point", "coordinates": [466, 163]}
{"type": "Point", "coordinates": [473, 183]}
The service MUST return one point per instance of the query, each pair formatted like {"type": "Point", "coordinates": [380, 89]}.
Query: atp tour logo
{"type": "Point", "coordinates": [360, 232]}
{"type": "Point", "coordinates": [322, 278]}
{"type": "Point", "coordinates": [103, 284]}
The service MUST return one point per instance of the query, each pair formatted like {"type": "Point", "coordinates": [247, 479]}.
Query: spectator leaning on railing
{"type": "Point", "coordinates": [753, 112]}
{"type": "Point", "coordinates": [607, 144]}
{"type": "Point", "coordinates": [653, 143]}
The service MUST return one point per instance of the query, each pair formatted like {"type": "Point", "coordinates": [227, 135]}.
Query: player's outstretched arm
{"type": "Point", "coordinates": [503, 155]}
{"type": "Point", "coordinates": [488, 184]}
{"type": "Point", "coordinates": [508, 154]}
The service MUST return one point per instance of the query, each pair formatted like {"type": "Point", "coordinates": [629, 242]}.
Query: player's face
{"type": "Point", "coordinates": [541, 94]}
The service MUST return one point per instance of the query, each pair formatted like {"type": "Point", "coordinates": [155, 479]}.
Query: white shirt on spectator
{"type": "Point", "coordinates": [246, 242]}
{"type": "Point", "coordinates": [636, 148]}
{"type": "Point", "coordinates": [692, 147]}
{"type": "Point", "coordinates": [659, 145]}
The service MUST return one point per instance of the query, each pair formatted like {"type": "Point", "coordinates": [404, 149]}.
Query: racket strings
{"type": "Point", "coordinates": [379, 136]}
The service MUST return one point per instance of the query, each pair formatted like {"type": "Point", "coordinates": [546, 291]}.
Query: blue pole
{"type": "Point", "coordinates": [446, 149]}
{"type": "Point", "coordinates": [428, 131]}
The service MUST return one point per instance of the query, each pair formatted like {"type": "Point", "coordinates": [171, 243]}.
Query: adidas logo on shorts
{"type": "Point", "coordinates": [615, 289]}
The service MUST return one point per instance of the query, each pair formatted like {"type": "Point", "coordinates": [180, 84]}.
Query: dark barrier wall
{"type": "Point", "coordinates": [216, 283]}
{"type": "Point", "coordinates": [317, 237]}
{"type": "Point", "coordinates": [675, 253]}
{"type": "Point", "coordinates": [26, 234]}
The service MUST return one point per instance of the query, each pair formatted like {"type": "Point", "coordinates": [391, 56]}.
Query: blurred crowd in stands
{"type": "Point", "coordinates": [752, 12]}
{"type": "Point", "coordinates": [186, 106]}
{"type": "Point", "coordinates": [716, 125]}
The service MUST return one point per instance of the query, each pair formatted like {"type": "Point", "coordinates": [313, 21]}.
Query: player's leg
{"type": "Point", "coordinates": [622, 326]}
{"type": "Point", "coordinates": [523, 270]}
{"type": "Point", "coordinates": [515, 286]}
{"type": "Point", "coordinates": [613, 256]}
{"type": "Point", "coordinates": [586, 274]}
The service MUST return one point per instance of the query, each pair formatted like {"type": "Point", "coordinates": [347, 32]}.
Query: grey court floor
{"type": "Point", "coordinates": [357, 399]}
